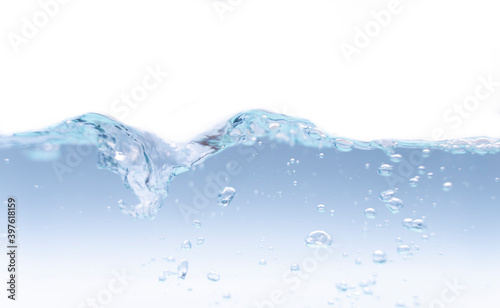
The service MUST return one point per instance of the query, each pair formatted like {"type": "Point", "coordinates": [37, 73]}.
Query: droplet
{"type": "Point", "coordinates": [226, 295]}
{"type": "Point", "coordinates": [292, 161]}
{"type": "Point", "coordinates": [294, 183]}
{"type": "Point", "coordinates": [386, 195]}
{"type": "Point", "coordinates": [396, 158]}
{"type": "Point", "coordinates": [182, 269]}
{"type": "Point", "coordinates": [421, 170]}
{"type": "Point", "coordinates": [200, 241]}
{"type": "Point", "coordinates": [442, 169]}
{"type": "Point", "coordinates": [321, 208]}
{"type": "Point", "coordinates": [213, 276]}
{"type": "Point", "coordinates": [186, 245]}
{"type": "Point", "coordinates": [262, 262]}
{"type": "Point", "coordinates": [379, 256]}
{"type": "Point", "coordinates": [332, 213]}
{"type": "Point", "coordinates": [426, 153]}
{"type": "Point", "coordinates": [385, 170]}
{"type": "Point", "coordinates": [370, 213]}
{"type": "Point", "coordinates": [367, 166]}
{"type": "Point", "coordinates": [404, 249]}
{"type": "Point", "coordinates": [170, 259]}
{"type": "Point", "coordinates": [318, 239]}
{"type": "Point", "coordinates": [197, 224]}
{"type": "Point", "coordinates": [226, 196]}
{"type": "Point", "coordinates": [6, 161]}
{"type": "Point", "coordinates": [162, 278]}
{"type": "Point", "coordinates": [358, 261]}
{"type": "Point", "coordinates": [413, 182]}
{"type": "Point", "coordinates": [321, 155]}
{"type": "Point", "coordinates": [295, 267]}
{"type": "Point", "coordinates": [430, 175]}
{"type": "Point", "coordinates": [394, 205]}
{"type": "Point", "coordinates": [447, 186]}
{"type": "Point", "coordinates": [497, 179]}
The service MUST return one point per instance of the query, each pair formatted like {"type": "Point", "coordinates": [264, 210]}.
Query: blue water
{"type": "Point", "coordinates": [300, 221]}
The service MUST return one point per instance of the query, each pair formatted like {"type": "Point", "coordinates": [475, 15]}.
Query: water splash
{"type": "Point", "coordinates": [147, 164]}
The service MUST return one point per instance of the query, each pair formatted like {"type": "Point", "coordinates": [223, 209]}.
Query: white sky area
{"type": "Point", "coordinates": [361, 69]}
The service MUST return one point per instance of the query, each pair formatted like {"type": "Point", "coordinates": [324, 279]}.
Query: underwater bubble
{"type": "Point", "coordinates": [379, 256]}
{"type": "Point", "coordinates": [294, 183]}
{"type": "Point", "coordinates": [442, 169]}
{"type": "Point", "coordinates": [318, 239]}
{"type": "Point", "coordinates": [394, 205]}
{"type": "Point", "coordinates": [182, 269]}
{"type": "Point", "coordinates": [370, 213]}
{"type": "Point", "coordinates": [170, 259]}
{"type": "Point", "coordinates": [213, 276]}
{"type": "Point", "coordinates": [396, 158]}
{"type": "Point", "coordinates": [447, 186]}
{"type": "Point", "coordinates": [416, 225]}
{"type": "Point", "coordinates": [295, 267]}
{"type": "Point", "coordinates": [407, 222]}
{"type": "Point", "coordinates": [292, 161]}
{"type": "Point", "coordinates": [197, 224]}
{"type": "Point", "coordinates": [200, 241]}
{"type": "Point", "coordinates": [413, 182]}
{"type": "Point", "coordinates": [321, 155]}
{"type": "Point", "coordinates": [497, 180]}
{"type": "Point", "coordinates": [321, 208]}
{"type": "Point", "coordinates": [162, 278]}
{"type": "Point", "coordinates": [386, 195]}
{"type": "Point", "coordinates": [430, 175]}
{"type": "Point", "coordinates": [332, 213]}
{"type": "Point", "coordinates": [426, 153]}
{"type": "Point", "coordinates": [403, 249]}
{"type": "Point", "coordinates": [6, 161]}
{"type": "Point", "coordinates": [421, 170]}
{"type": "Point", "coordinates": [186, 245]}
{"type": "Point", "coordinates": [226, 196]}
{"type": "Point", "coordinates": [262, 262]}
{"type": "Point", "coordinates": [342, 285]}
{"type": "Point", "coordinates": [226, 295]}
{"type": "Point", "coordinates": [367, 166]}
{"type": "Point", "coordinates": [358, 261]}
{"type": "Point", "coordinates": [344, 145]}
{"type": "Point", "coordinates": [385, 170]}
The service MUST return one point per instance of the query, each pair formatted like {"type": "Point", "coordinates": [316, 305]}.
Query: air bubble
{"type": "Point", "coordinates": [226, 196]}
{"type": "Point", "coordinates": [186, 245]}
{"type": "Point", "coordinates": [385, 170]}
{"type": "Point", "coordinates": [379, 256]}
{"type": "Point", "coordinates": [370, 213]}
{"type": "Point", "coordinates": [213, 276]}
{"type": "Point", "coordinates": [318, 239]}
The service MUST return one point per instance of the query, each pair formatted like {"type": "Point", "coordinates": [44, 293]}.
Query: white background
{"type": "Point", "coordinates": [233, 55]}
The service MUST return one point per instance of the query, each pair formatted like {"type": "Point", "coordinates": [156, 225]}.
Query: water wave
{"type": "Point", "coordinates": [147, 164]}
